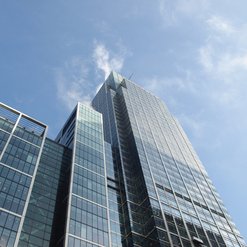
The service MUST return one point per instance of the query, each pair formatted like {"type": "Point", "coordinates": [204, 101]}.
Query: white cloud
{"type": "Point", "coordinates": [172, 11]}
{"type": "Point", "coordinates": [156, 84]}
{"type": "Point", "coordinates": [194, 124]}
{"type": "Point", "coordinates": [189, 7]}
{"type": "Point", "coordinates": [226, 97]}
{"type": "Point", "coordinates": [205, 57]}
{"type": "Point", "coordinates": [223, 58]}
{"type": "Point", "coordinates": [224, 64]}
{"type": "Point", "coordinates": [220, 24]}
{"type": "Point", "coordinates": [72, 79]}
{"type": "Point", "coordinates": [105, 60]}
{"type": "Point", "coordinates": [72, 83]}
{"type": "Point", "coordinates": [184, 83]}
{"type": "Point", "coordinates": [223, 55]}
{"type": "Point", "coordinates": [231, 63]}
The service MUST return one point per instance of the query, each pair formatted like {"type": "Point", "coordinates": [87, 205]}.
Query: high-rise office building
{"type": "Point", "coordinates": [166, 196]}
{"type": "Point", "coordinates": [120, 173]}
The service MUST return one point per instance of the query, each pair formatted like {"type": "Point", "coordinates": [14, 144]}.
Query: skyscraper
{"type": "Point", "coordinates": [167, 198]}
{"type": "Point", "coordinates": [121, 172]}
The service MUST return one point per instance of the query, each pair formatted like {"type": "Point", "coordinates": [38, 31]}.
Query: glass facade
{"type": "Point", "coordinates": [87, 214]}
{"type": "Point", "coordinates": [45, 218]}
{"type": "Point", "coordinates": [21, 144]}
{"type": "Point", "coordinates": [114, 198]}
{"type": "Point", "coordinates": [166, 195]}
{"type": "Point", "coordinates": [121, 173]}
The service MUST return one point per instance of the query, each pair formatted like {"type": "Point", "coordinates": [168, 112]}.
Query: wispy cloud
{"type": "Point", "coordinates": [215, 80]}
{"type": "Point", "coordinates": [72, 83]}
{"type": "Point", "coordinates": [194, 124]}
{"type": "Point", "coordinates": [229, 97]}
{"type": "Point", "coordinates": [155, 84]}
{"type": "Point", "coordinates": [220, 25]}
{"type": "Point", "coordinates": [223, 55]}
{"type": "Point", "coordinates": [223, 58]}
{"type": "Point", "coordinates": [173, 11]}
{"type": "Point", "coordinates": [205, 57]}
{"type": "Point", "coordinates": [183, 83]}
{"type": "Point", "coordinates": [106, 60]}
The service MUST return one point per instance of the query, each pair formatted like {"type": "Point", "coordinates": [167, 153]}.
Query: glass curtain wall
{"type": "Point", "coordinates": [87, 217]}
{"type": "Point", "coordinates": [21, 143]}
{"type": "Point", "coordinates": [166, 195]}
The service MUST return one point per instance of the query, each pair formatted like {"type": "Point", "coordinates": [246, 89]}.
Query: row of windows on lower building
{"type": "Point", "coordinates": [74, 242]}
{"type": "Point", "coordinates": [20, 155]}
{"type": "Point", "coordinates": [14, 189]}
{"type": "Point", "coordinates": [8, 228]}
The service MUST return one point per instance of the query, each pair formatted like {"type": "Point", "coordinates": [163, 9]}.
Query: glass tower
{"type": "Point", "coordinates": [87, 221]}
{"type": "Point", "coordinates": [120, 173]}
{"type": "Point", "coordinates": [162, 191]}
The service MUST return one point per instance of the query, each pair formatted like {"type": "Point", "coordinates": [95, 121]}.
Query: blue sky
{"type": "Point", "coordinates": [191, 53]}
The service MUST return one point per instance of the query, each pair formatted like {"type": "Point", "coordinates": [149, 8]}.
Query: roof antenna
{"type": "Point", "coordinates": [130, 76]}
